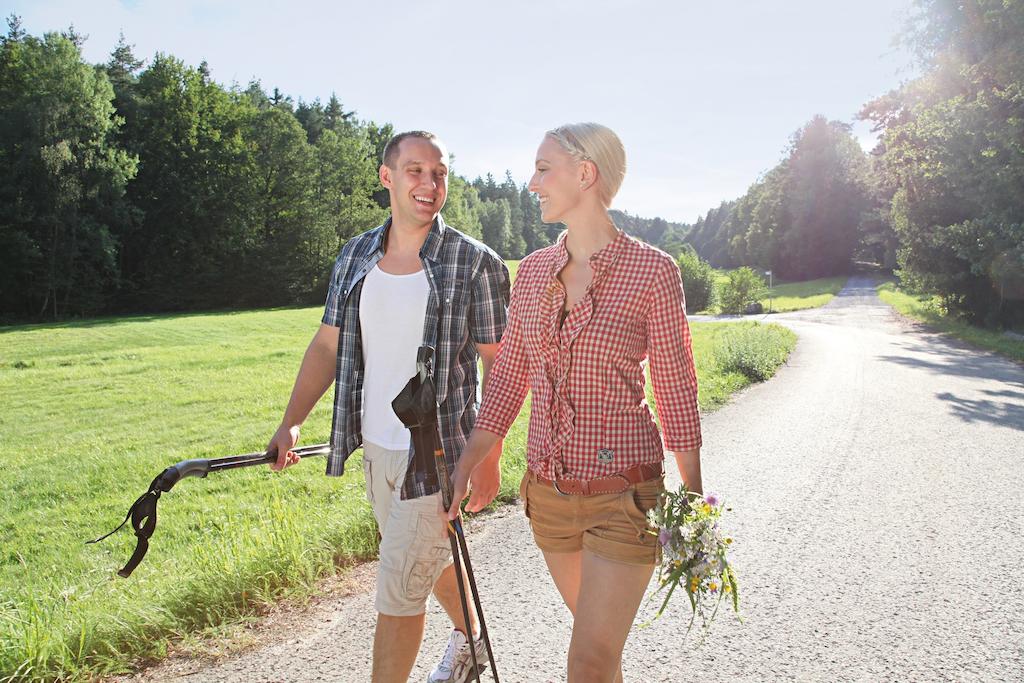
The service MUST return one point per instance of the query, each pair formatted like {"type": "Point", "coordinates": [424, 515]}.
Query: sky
{"type": "Point", "coordinates": [705, 96]}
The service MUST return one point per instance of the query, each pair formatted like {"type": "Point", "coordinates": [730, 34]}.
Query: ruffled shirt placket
{"type": "Point", "coordinates": [560, 339]}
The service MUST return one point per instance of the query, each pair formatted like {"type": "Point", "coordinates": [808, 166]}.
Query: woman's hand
{"type": "Point", "coordinates": [481, 443]}
{"type": "Point", "coordinates": [460, 487]}
{"type": "Point", "coordinates": [485, 481]}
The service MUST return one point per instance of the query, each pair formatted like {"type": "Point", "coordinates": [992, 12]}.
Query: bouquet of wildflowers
{"type": "Point", "coordinates": [693, 553]}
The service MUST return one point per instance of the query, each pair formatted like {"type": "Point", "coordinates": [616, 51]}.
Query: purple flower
{"type": "Point", "coordinates": [711, 499]}
{"type": "Point", "coordinates": [664, 537]}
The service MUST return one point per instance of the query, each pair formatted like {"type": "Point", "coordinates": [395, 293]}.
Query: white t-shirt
{"type": "Point", "coordinates": [391, 313]}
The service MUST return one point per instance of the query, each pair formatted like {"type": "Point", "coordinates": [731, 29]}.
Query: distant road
{"type": "Point", "coordinates": [877, 486]}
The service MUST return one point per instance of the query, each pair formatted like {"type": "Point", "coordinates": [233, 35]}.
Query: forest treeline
{"type": "Point", "coordinates": [131, 186]}
{"type": "Point", "coordinates": [145, 186]}
{"type": "Point", "coordinates": [940, 198]}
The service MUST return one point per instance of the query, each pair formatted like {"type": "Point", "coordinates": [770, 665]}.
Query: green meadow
{"type": "Point", "coordinates": [94, 410]}
{"type": "Point", "coordinates": [791, 296]}
{"type": "Point", "coordinates": [795, 296]}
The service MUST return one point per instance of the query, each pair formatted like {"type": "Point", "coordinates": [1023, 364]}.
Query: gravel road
{"type": "Point", "coordinates": [876, 492]}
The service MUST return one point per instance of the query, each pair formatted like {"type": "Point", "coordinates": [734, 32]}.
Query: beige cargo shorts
{"type": "Point", "coordinates": [414, 546]}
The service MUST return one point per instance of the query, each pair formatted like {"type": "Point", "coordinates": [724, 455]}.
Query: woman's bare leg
{"type": "Point", "coordinates": [565, 570]}
{"type": "Point", "coordinates": [608, 597]}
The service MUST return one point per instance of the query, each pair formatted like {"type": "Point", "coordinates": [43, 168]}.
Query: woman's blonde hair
{"type": "Point", "coordinates": [599, 144]}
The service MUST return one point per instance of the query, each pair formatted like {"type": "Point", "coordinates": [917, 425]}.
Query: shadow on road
{"type": "Point", "coordinates": [994, 412]}
{"type": "Point", "coordinates": [949, 358]}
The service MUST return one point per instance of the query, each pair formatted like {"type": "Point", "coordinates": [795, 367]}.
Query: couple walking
{"type": "Point", "coordinates": [584, 315]}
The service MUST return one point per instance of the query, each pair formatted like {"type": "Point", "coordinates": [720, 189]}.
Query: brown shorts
{"type": "Point", "coordinates": [611, 525]}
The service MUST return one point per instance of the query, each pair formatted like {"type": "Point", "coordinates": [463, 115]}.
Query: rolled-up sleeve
{"type": "Point", "coordinates": [489, 306]}
{"type": "Point", "coordinates": [671, 354]}
{"type": "Point", "coordinates": [508, 381]}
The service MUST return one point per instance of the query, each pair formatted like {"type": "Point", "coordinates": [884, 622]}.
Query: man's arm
{"type": "Point", "coordinates": [486, 479]}
{"type": "Point", "coordinates": [315, 375]}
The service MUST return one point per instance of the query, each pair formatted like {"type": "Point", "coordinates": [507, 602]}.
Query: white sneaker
{"type": "Point", "coordinates": [456, 666]}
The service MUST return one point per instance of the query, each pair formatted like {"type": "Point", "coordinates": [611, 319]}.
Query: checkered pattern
{"type": "Point", "coordinates": [469, 292]}
{"type": "Point", "coordinates": [589, 416]}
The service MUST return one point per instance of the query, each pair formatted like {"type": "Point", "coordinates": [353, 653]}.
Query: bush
{"type": "Point", "coordinates": [698, 281]}
{"type": "Point", "coordinates": [744, 287]}
{"type": "Point", "coordinates": [755, 351]}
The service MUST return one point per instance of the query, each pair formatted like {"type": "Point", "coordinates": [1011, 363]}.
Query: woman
{"type": "Point", "coordinates": [585, 314]}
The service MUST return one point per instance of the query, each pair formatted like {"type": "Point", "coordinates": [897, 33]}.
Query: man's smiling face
{"type": "Point", "coordinates": [418, 183]}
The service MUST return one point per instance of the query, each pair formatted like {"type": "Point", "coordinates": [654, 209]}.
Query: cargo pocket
{"type": "Point", "coordinates": [429, 555]}
{"type": "Point", "coordinates": [420, 578]}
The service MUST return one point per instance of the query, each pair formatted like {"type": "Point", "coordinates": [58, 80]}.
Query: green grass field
{"type": "Point", "coordinates": [94, 410]}
{"type": "Point", "coordinates": [793, 296]}
{"type": "Point", "coordinates": [927, 310]}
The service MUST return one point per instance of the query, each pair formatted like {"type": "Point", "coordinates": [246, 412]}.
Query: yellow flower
{"type": "Point", "coordinates": [713, 586]}
{"type": "Point", "coordinates": [727, 588]}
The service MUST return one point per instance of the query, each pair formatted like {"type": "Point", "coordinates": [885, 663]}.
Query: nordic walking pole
{"type": "Point", "coordinates": [455, 530]}
{"type": "Point", "coordinates": [416, 407]}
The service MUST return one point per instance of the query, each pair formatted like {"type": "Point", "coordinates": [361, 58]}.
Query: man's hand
{"type": "Point", "coordinates": [484, 484]}
{"type": "Point", "coordinates": [282, 443]}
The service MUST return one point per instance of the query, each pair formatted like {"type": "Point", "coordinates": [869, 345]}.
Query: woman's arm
{"type": "Point", "coordinates": [688, 463]}
{"type": "Point", "coordinates": [673, 374]}
{"type": "Point", "coordinates": [504, 392]}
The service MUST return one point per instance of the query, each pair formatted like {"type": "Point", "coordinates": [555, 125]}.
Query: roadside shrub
{"type": "Point", "coordinates": [755, 351]}
{"type": "Point", "coordinates": [743, 288]}
{"type": "Point", "coordinates": [698, 281]}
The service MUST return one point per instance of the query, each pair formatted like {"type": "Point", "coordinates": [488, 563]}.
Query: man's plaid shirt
{"type": "Point", "coordinates": [468, 304]}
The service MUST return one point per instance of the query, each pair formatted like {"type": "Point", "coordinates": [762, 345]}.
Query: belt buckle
{"type": "Point", "coordinates": [554, 483]}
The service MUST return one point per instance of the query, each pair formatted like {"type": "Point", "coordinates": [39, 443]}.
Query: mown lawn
{"type": "Point", "coordinates": [795, 296]}
{"type": "Point", "coordinates": [94, 410]}
{"type": "Point", "coordinates": [927, 309]}
{"type": "Point", "coordinates": [792, 296]}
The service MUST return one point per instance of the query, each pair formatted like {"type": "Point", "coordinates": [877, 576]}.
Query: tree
{"type": "Point", "coordinates": [495, 222]}
{"type": "Point", "coordinates": [950, 158]}
{"type": "Point", "coordinates": [698, 281]}
{"type": "Point", "coordinates": [743, 288]}
{"type": "Point", "coordinates": [825, 199]}
{"type": "Point", "coordinates": [345, 179]}
{"type": "Point", "coordinates": [462, 208]}
{"type": "Point", "coordinates": [62, 177]}
{"type": "Point", "coordinates": [312, 118]}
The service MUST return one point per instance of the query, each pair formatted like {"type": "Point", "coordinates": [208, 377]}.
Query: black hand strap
{"type": "Point", "coordinates": [143, 516]}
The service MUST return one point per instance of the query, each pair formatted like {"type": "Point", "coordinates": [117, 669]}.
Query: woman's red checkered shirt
{"type": "Point", "coordinates": [589, 415]}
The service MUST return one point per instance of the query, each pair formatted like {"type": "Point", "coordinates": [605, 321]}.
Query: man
{"type": "Point", "coordinates": [412, 281]}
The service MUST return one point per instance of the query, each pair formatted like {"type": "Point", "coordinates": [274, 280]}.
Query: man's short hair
{"type": "Point", "coordinates": [390, 155]}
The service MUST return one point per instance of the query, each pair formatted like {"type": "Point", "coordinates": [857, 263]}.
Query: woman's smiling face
{"type": "Point", "coordinates": [556, 181]}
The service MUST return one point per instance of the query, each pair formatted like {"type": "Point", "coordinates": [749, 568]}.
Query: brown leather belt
{"type": "Point", "coordinates": [615, 483]}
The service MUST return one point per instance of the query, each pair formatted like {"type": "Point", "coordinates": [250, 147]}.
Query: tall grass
{"type": "Point", "coordinates": [92, 411]}
{"type": "Point", "coordinates": [756, 351]}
